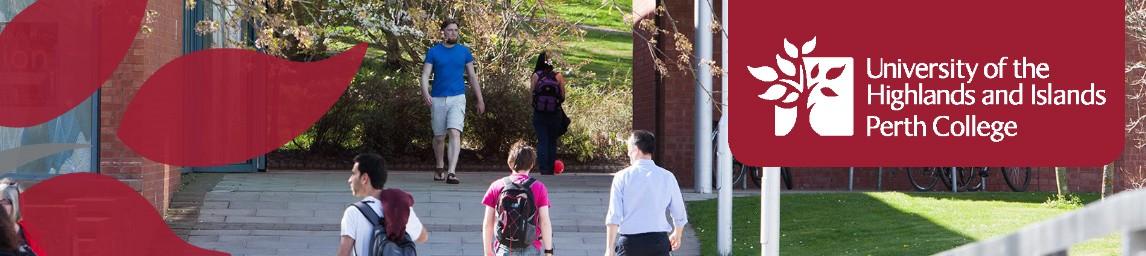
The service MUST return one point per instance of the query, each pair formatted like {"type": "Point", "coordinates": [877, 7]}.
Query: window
{"type": "Point", "coordinates": [227, 36]}
{"type": "Point", "coordinates": [236, 35]}
{"type": "Point", "coordinates": [9, 9]}
{"type": "Point", "coordinates": [77, 126]}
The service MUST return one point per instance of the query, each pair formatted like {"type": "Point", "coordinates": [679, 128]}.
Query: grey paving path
{"type": "Point", "coordinates": [297, 213]}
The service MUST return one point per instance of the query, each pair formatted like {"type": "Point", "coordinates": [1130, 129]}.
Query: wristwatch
{"type": "Point", "coordinates": [550, 251]}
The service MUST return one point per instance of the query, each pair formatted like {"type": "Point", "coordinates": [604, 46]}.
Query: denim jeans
{"type": "Point", "coordinates": [546, 125]}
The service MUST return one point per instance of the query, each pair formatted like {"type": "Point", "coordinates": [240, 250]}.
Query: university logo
{"type": "Point", "coordinates": [810, 94]}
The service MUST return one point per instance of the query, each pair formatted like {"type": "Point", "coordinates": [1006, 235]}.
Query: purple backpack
{"type": "Point", "coordinates": [547, 94]}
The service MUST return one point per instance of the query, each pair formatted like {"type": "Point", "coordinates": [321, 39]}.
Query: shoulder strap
{"type": "Point", "coordinates": [368, 212]}
{"type": "Point", "coordinates": [507, 183]}
{"type": "Point", "coordinates": [536, 86]}
{"type": "Point", "coordinates": [373, 219]}
{"type": "Point", "coordinates": [528, 185]}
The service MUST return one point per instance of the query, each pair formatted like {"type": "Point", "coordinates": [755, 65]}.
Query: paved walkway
{"type": "Point", "coordinates": [297, 213]}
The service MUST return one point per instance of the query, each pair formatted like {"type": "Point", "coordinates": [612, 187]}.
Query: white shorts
{"type": "Point", "coordinates": [448, 113]}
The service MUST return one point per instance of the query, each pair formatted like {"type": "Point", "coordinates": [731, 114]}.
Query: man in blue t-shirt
{"type": "Point", "coordinates": [449, 61]}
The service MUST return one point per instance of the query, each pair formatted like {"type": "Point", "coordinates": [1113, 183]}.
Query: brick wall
{"type": "Point", "coordinates": [156, 182]}
{"type": "Point", "coordinates": [1130, 165]}
{"type": "Point", "coordinates": [664, 103]}
{"type": "Point", "coordinates": [644, 74]}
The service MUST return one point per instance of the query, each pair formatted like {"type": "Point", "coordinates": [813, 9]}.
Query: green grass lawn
{"type": "Point", "coordinates": [605, 54]}
{"type": "Point", "coordinates": [885, 223]}
{"type": "Point", "coordinates": [609, 56]}
{"type": "Point", "coordinates": [596, 13]}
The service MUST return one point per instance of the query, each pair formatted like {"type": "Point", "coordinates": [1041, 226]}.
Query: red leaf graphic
{"type": "Point", "coordinates": [223, 106]}
{"type": "Point", "coordinates": [812, 72]}
{"type": "Point", "coordinates": [92, 214]}
{"type": "Point", "coordinates": [835, 72]}
{"type": "Point", "coordinates": [828, 92]}
{"type": "Point", "coordinates": [56, 53]}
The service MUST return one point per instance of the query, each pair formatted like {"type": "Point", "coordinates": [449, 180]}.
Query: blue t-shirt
{"type": "Point", "coordinates": [449, 69]}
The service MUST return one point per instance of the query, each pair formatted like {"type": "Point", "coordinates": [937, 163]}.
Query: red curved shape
{"type": "Point", "coordinates": [56, 53]}
{"type": "Point", "coordinates": [224, 106]}
{"type": "Point", "coordinates": [92, 214]}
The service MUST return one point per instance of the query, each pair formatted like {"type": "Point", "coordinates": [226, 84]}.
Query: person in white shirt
{"type": "Point", "coordinates": [641, 196]}
{"type": "Point", "coordinates": [366, 181]}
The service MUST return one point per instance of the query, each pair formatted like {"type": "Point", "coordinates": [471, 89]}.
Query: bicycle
{"type": "Point", "coordinates": [1018, 178]}
{"type": "Point", "coordinates": [741, 172]}
{"type": "Point", "coordinates": [968, 178]}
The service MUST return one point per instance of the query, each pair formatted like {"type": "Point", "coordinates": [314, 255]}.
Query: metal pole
{"type": "Point", "coordinates": [744, 176]}
{"type": "Point", "coordinates": [954, 181]}
{"type": "Point", "coordinates": [851, 178]}
{"type": "Point", "coordinates": [983, 178]}
{"type": "Point", "coordinates": [770, 221]}
{"type": "Point", "coordinates": [879, 179]}
{"type": "Point", "coordinates": [702, 167]}
{"type": "Point", "coordinates": [724, 203]}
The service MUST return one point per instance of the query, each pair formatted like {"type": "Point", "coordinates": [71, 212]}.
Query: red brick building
{"type": "Point", "coordinates": [155, 181]}
{"type": "Point", "coordinates": [663, 103]}
{"type": "Point", "coordinates": [171, 35]}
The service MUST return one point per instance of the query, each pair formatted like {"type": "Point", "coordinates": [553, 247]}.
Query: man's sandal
{"type": "Point", "coordinates": [439, 174]}
{"type": "Point", "coordinates": [452, 179]}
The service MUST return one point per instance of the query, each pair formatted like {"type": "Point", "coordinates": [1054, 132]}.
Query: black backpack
{"type": "Point", "coordinates": [516, 227]}
{"type": "Point", "coordinates": [379, 244]}
{"type": "Point", "coordinates": [547, 96]}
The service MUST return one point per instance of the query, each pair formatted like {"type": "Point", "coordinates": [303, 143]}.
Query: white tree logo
{"type": "Point", "coordinates": [814, 92]}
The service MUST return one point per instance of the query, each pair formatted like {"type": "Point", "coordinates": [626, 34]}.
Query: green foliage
{"type": "Point", "coordinates": [602, 117]}
{"type": "Point", "coordinates": [383, 111]}
{"type": "Point", "coordinates": [1065, 202]}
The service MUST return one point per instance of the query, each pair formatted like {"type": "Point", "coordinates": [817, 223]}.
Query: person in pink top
{"type": "Point", "coordinates": [517, 210]}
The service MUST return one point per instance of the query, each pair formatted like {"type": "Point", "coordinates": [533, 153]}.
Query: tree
{"type": "Point", "coordinates": [377, 112]}
{"type": "Point", "coordinates": [787, 93]}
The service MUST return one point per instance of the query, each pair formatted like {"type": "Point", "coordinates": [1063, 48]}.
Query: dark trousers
{"type": "Point", "coordinates": [643, 244]}
{"type": "Point", "coordinates": [546, 125]}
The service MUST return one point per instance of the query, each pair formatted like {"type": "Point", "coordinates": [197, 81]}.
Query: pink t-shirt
{"type": "Point", "coordinates": [540, 197]}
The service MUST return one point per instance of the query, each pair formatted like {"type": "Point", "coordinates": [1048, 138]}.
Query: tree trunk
{"type": "Point", "coordinates": [1060, 174]}
{"type": "Point", "coordinates": [1107, 180]}
{"type": "Point", "coordinates": [803, 126]}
